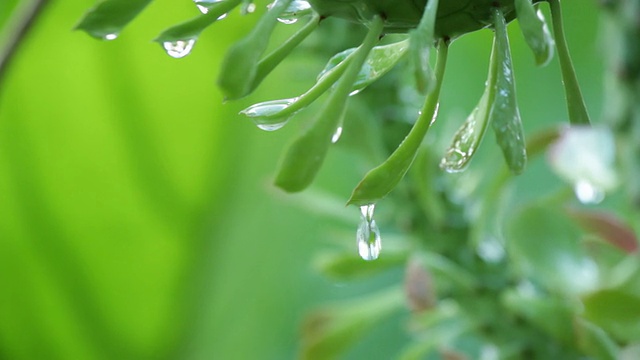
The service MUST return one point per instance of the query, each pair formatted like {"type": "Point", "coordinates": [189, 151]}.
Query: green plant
{"type": "Point", "coordinates": [556, 289]}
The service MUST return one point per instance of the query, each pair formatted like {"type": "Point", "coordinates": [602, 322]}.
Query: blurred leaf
{"type": "Point", "coordinates": [550, 314]}
{"type": "Point", "coordinates": [435, 329]}
{"type": "Point", "coordinates": [607, 226]}
{"type": "Point", "coordinates": [545, 244]}
{"type": "Point", "coordinates": [616, 311]}
{"type": "Point", "coordinates": [535, 30]}
{"type": "Point", "coordinates": [107, 19]}
{"type": "Point", "coordinates": [329, 331]}
{"type": "Point", "coordinates": [349, 266]}
{"type": "Point", "coordinates": [594, 341]}
{"type": "Point", "coordinates": [240, 65]}
{"type": "Point", "coordinates": [585, 156]}
{"type": "Point", "coordinates": [418, 286]}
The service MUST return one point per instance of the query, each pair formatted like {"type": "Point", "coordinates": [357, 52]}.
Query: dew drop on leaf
{"type": "Point", "coordinates": [294, 11]}
{"type": "Point", "coordinates": [368, 234]}
{"type": "Point", "coordinates": [205, 5]}
{"type": "Point", "coordinates": [179, 48]}
{"type": "Point", "coordinates": [265, 114]}
{"type": "Point", "coordinates": [110, 37]}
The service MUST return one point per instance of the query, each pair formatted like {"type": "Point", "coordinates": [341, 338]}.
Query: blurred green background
{"type": "Point", "coordinates": [137, 216]}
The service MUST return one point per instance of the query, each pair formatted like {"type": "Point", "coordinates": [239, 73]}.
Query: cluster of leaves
{"type": "Point", "coordinates": [550, 280]}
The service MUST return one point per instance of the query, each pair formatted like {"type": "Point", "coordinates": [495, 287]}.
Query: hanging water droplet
{"type": "Point", "coordinates": [265, 114]}
{"type": "Point", "coordinates": [368, 234]}
{"type": "Point", "coordinates": [294, 11]}
{"type": "Point", "coordinates": [178, 49]}
{"type": "Point", "coordinates": [110, 37]}
{"type": "Point", "coordinates": [205, 5]}
{"type": "Point", "coordinates": [587, 193]}
{"type": "Point", "coordinates": [336, 135]}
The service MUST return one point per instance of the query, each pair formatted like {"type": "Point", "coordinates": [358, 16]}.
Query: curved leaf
{"type": "Point", "coordinates": [378, 182]}
{"type": "Point", "coordinates": [191, 29]}
{"type": "Point", "coordinates": [505, 116]}
{"type": "Point", "coordinates": [306, 154]}
{"type": "Point", "coordinates": [107, 18]}
{"type": "Point", "coordinates": [468, 137]}
{"type": "Point", "coordinates": [535, 30]}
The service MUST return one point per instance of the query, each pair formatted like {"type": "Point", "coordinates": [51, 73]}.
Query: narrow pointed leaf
{"type": "Point", "coordinates": [535, 31]}
{"type": "Point", "coordinates": [378, 182]}
{"type": "Point", "coordinates": [421, 41]}
{"type": "Point", "coordinates": [505, 116]}
{"type": "Point", "coordinates": [467, 139]}
{"type": "Point", "coordinates": [240, 65]}
{"type": "Point", "coordinates": [107, 19]}
{"type": "Point", "coordinates": [191, 29]}
{"type": "Point", "coordinates": [269, 62]}
{"type": "Point", "coordinates": [306, 154]}
{"type": "Point", "coordinates": [278, 109]}
{"type": "Point", "coordinates": [379, 62]}
{"type": "Point", "coordinates": [575, 103]}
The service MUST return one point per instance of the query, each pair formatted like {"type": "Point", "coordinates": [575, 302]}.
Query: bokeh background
{"type": "Point", "coordinates": [137, 215]}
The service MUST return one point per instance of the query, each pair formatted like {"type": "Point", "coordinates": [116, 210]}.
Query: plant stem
{"type": "Point", "coordinates": [575, 103]}
{"type": "Point", "coordinates": [16, 29]}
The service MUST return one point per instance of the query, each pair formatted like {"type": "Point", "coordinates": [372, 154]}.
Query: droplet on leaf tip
{"type": "Point", "coordinates": [178, 49]}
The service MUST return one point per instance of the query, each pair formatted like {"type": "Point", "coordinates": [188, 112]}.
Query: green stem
{"type": "Point", "coordinates": [17, 28]}
{"type": "Point", "coordinates": [575, 103]}
{"type": "Point", "coordinates": [378, 182]}
{"type": "Point", "coordinates": [266, 65]}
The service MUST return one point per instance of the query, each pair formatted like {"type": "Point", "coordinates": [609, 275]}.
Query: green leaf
{"type": "Point", "coordinates": [468, 137]}
{"type": "Point", "coordinates": [441, 326]}
{"type": "Point", "coordinates": [270, 115]}
{"type": "Point", "coordinates": [535, 31]}
{"type": "Point", "coordinates": [378, 182]}
{"type": "Point", "coordinates": [275, 113]}
{"type": "Point", "coordinates": [544, 244]}
{"type": "Point", "coordinates": [107, 18]}
{"type": "Point", "coordinates": [328, 331]}
{"type": "Point", "coordinates": [240, 65]}
{"type": "Point", "coordinates": [269, 62]}
{"type": "Point", "coordinates": [595, 342]}
{"type": "Point", "coordinates": [381, 59]}
{"type": "Point", "coordinates": [550, 314]}
{"type": "Point", "coordinates": [306, 154]}
{"type": "Point", "coordinates": [348, 266]}
{"type": "Point", "coordinates": [421, 41]}
{"type": "Point", "coordinates": [505, 116]}
{"type": "Point", "coordinates": [616, 311]}
{"type": "Point", "coordinates": [575, 103]}
{"type": "Point", "coordinates": [191, 29]}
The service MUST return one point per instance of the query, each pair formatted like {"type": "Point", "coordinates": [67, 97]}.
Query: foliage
{"type": "Point", "coordinates": [489, 272]}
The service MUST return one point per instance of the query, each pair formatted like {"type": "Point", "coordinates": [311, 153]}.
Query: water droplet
{"type": "Point", "coordinates": [296, 10]}
{"type": "Point", "coordinates": [368, 234]}
{"type": "Point", "coordinates": [110, 37]}
{"type": "Point", "coordinates": [336, 135]}
{"type": "Point", "coordinates": [587, 193]}
{"type": "Point", "coordinates": [265, 114]}
{"type": "Point", "coordinates": [178, 49]}
{"type": "Point", "coordinates": [205, 5]}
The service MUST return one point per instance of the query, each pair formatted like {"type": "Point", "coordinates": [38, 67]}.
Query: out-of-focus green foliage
{"type": "Point", "coordinates": [136, 221]}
